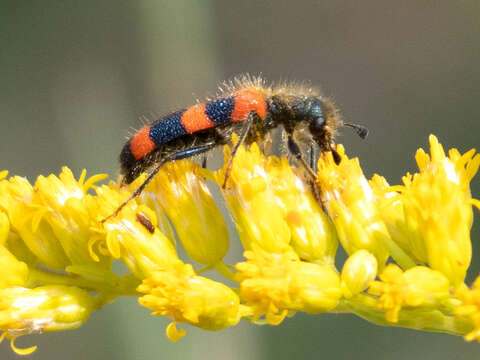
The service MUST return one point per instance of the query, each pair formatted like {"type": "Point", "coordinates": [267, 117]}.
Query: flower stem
{"type": "Point", "coordinates": [421, 318]}
{"type": "Point", "coordinates": [120, 287]}
{"type": "Point", "coordinates": [400, 257]}
{"type": "Point", "coordinates": [225, 270]}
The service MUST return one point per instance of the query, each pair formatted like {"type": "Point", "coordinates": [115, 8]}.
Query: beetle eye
{"type": "Point", "coordinates": [317, 124]}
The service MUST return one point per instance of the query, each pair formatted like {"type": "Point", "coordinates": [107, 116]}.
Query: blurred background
{"type": "Point", "coordinates": [76, 76]}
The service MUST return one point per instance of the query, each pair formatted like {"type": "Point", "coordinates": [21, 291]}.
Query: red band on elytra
{"type": "Point", "coordinates": [247, 101]}
{"type": "Point", "coordinates": [141, 144]}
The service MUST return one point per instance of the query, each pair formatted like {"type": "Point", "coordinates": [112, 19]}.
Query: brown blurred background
{"type": "Point", "coordinates": [76, 75]}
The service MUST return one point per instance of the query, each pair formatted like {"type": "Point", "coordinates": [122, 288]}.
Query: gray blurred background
{"type": "Point", "coordinates": [77, 75]}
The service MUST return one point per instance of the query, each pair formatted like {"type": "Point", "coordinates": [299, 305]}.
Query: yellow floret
{"type": "Point", "coordinates": [438, 210]}
{"type": "Point", "coordinates": [186, 199]}
{"type": "Point", "coordinates": [186, 297]}
{"type": "Point", "coordinates": [418, 286]}
{"type": "Point", "coordinates": [273, 285]}
{"type": "Point", "coordinates": [350, 203]}
{"type": "Point", "coordinates": [274, 208]}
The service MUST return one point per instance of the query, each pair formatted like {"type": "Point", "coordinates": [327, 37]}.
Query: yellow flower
{"type": "Point", "coordinates": [16, 196]}
{"type": "Point", "coordinates": [51, 218]}
{"type": "Point", "coordinates": [391, 208]}
{"type": "Point", "coordinates": [61, 203]}
{"type": "Point", "coordinates": [43, 309]}
{"type": "Point", "coordinates": [185, 198]}
{"type": "Point", "coordinates": [274, 284]}
{"type": "Point", "coordinates": [438, 210]}
{"type": "Point", "coordinates": [274, 208]}
{"type": "Point", "coordinates": [313, 236]}
{"type": "Point", "coordinates": [128, 239]}
{"type": "Point", "coordinates": [185, 297]}
{"type": "Point", "coordinates": [350, 203]}
{"type": "Point", "coordinates": [418, 286]}
{"type": "Point", "coordinates": [258, 218]}
{"type": "Point", "coordinates": [470, 308]}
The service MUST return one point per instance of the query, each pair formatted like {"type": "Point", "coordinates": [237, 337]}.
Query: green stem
{"type": "Point", "coordinates": [118, 287]}
{"type": "Point", "coordinates": [397, 254]}
{"type": "Point", "coordinates": [420, 318]}
{"type": "Point", "coordinates": [225, 270]}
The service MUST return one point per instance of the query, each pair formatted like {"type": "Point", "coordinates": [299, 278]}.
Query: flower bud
{"type": "Point", "coordinates": [359, 270]}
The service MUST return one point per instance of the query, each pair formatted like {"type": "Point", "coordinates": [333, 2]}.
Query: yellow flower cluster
{"type": "Point", "coordinates": [409, 245]}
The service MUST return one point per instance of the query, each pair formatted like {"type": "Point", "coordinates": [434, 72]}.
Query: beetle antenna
{"type": "Point", "coordinates": [362, 131]}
